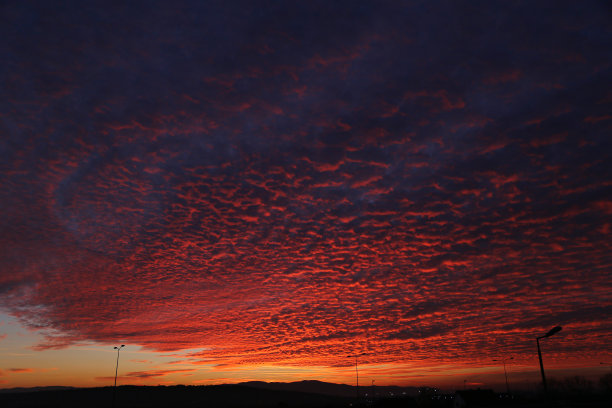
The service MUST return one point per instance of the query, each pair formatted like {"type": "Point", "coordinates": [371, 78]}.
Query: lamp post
{"type": "Point", "coordinates": [116, 369]}
{"type": "Point", "coordinates": [356, 370]}
{"type": "Point", "coordinates": [503, 360]}
{"type": "Point", "coordinates": [552, 331]}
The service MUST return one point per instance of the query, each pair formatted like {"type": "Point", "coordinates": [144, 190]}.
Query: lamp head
{"type": "Point", "coordinates": [552, 331]}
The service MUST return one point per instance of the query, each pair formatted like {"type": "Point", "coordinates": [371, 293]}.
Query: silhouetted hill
{"type": "Point", "coordinates": [316, 387]}
{"type": "Point", "coordinates": [33, 389]}
{"type": "Point", "coordinates": [174, 396]}
{"type": "Point", "coordinates": [325, 388]}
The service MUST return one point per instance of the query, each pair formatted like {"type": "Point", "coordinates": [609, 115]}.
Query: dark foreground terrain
{"type": "Point", "coordinates": [279, 395]}
{"type": "Point", "coordinates": [174, 396]}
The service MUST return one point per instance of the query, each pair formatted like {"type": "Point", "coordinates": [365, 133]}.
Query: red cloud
{"type": "Point", "coordinates": [20, 370]}
{"type": "Point", "coordinates": [439, 100]}
{"type": "Point", "coordinates": [146, 374]}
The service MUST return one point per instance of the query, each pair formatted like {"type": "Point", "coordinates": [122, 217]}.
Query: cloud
{"type": "Point", "coordinates": [146, 374]}
{"type": "Point", "coordinates": [280, 194]}
{"type": "Point", "coordinates": [20, 370]}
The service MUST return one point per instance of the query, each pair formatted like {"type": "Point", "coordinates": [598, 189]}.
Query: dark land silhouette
{"type": "Point", "coordinates": [171, 396]}
{"type": "Point", "coordinates": [306, 394]}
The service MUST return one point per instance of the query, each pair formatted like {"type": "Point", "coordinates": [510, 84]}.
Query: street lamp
{"type": "Point", "coordinates": [552, 331]}
{"type": "Point", "coordinates": [116, 369]}
{"type": "Point", "coordinates": [356, 370]}
{"type": "Point", "coordinates": [503, 360]}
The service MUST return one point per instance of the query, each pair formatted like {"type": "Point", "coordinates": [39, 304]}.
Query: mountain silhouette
{"type": "Point", "coordinates": [325, 388]}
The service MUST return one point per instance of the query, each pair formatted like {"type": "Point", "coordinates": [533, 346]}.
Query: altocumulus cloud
{"type": "Point", "coordinates": [286, 183]}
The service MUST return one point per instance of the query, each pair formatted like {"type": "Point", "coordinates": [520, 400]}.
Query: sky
{"type": "Point", "coordinates": [257, 190]}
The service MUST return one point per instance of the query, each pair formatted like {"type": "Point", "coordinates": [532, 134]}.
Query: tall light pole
{"type": "Point", "coordinates": [356, 370]}
{"type": "Point", "coordinates": [503, 360]}
{"type": "Point", "coordinates": [116, 369]}
{"type": "Point", "coordinates": [552, 331]}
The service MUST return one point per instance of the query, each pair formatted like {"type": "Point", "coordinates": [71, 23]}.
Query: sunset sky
{"type": "Point", "coordinates": [255, 190]}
